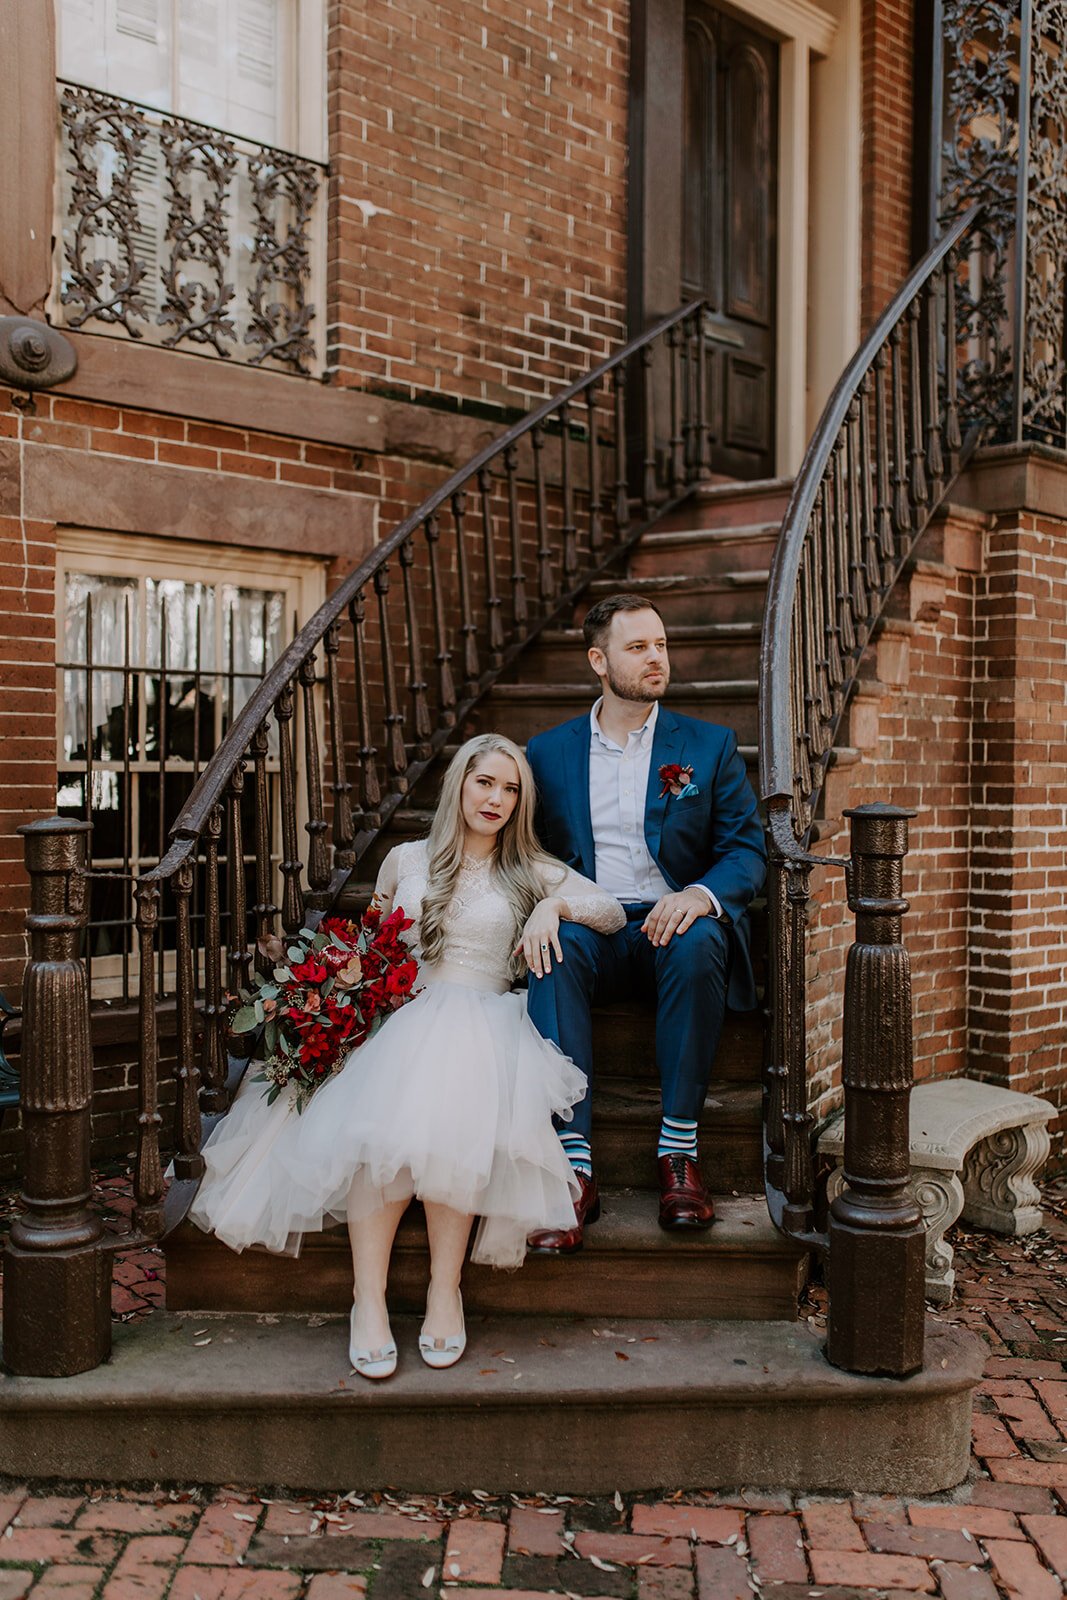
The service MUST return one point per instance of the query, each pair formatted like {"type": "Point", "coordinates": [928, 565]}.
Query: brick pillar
{"type": "Point", "coordinates": [1018, 986]}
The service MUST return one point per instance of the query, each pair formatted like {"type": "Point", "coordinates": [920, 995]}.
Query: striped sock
{"type": "Point", "coordinates": [677, 1137]}
{"type": "Point", "coordinates": [578, 1152]}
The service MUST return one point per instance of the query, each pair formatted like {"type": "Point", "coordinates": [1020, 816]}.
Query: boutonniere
{"type": "Point", "coordinates": [677, 781]}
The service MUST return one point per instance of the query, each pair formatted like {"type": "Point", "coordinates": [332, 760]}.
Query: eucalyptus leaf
{"type": "Point", "coordinates": [295, 953]}
{"type": "Point", "coordinates": [244, 1020]}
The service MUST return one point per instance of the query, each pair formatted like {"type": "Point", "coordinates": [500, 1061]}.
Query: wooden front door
{"type": "Point", "coordinates": [729, 209]}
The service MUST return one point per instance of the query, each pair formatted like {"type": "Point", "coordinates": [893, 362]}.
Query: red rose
{"type": "Point", "coordinates": [310, 971]}
{"type": "Point", "coordinates": [401, 980]}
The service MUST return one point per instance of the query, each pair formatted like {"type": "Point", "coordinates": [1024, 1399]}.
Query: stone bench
{"type": "Point", "coordinates": [975, 1150]}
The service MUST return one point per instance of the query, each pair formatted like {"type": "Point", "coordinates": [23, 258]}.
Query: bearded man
{"type": "Point", "coordinates": [658, 809]}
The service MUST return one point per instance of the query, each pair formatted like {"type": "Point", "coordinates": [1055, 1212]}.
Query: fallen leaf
{"type": "Point", "coordinates": [620, 1355]}
{"type": "Point", "coordinates": [200, 1343]}
{"type": "Point", "coordinates": [486, 1372]}
{"type": "Point", "coordinates": [618, 1501]}
{"type": "Point", "coordinates": [428, 1577]}
{"type": "Point", "coordinates": [242, 1516]}
{"type": "Point", "coordinates": [602, 1566]}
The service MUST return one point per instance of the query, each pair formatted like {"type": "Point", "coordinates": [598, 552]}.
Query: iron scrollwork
{"type": "Point", "coordinates": [211, 288]}
{"type": "Point", "coordinates": [1045, 389]}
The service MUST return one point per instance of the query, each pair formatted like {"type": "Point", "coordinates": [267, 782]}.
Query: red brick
{"type": "Point", "coordinates": [978, 1520]}
{"type": "Point", "coordinates": [722, 1574]}
{"type": "Point", "coordinates": [337, 1586]}
{"type": "Point", "coordinates": [942, 1544]}
{"type": "Point", "coordinates": [475, 1551]}
{"type": "Point", "coordinates": [1011, 1496]}
{"type": "Point", "coordinates": [47, 1511]}
{"type": "Point", "coordinates": [299, 1519]}
{"type": "Point", "coordinates": [57, 1544]}
{"type": "Point", "coordinates": [990, 1438]}
{"type": "Point", "coordinates": [629, 1548]}
{"type": "Point", "coordinates": [11, 1506]}
{"type": "Point", "coordinates": [964, 1583]}
{"type": "Point", "coordinates": [150, 1550]}
{"type": "Point", "coordinates": [535, 1533]}
{"type": "Point", "coordinates": [13, 1584]}
{"type": "Point", "coordinates": [1021, 1573]}
{"type": "Point", "coordinates": [146, 1583]}
{"type": "Point", "coordinates": [705, 1524]}
{"type": "Point", "coordinates": [234, 1583]}
{"type": "Point", "coordinates": [1046, 1474]}
{"type": "Point", "coordinates": [864, 1570]}
{"type": "Point", "coordinates": [125, 1516]}
{"type": "Point", "coordinates": [831, 1526]}
{"type": "Point", "coordinates": [1050, 1536]}
{"type": "Point", "coordinates": [62, 1582]}
{"type": "Point", "coordinates": [223, 1533]}
{"type": "Point", "coordinates": [777, 1549]}
{"type": "Point", "coordinates": [665, 1583]}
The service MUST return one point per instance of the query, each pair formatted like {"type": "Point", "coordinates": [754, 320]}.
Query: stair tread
{"type": "Point", "coordinates": [257, 1364]}
{"type": "Point", "coordinates": [724, 583]}
{"type": "Point", "coordinates": [708, 689]}
{"type": "Point", "coordinates": [742, 533]}
{"type": "Point", "coordinates": [681, 632]}
{"type": "Point", "coordinates": [749, 488]}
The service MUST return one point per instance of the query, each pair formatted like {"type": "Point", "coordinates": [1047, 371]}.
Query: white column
{"type": "Point", "coordinates": [792, 254]}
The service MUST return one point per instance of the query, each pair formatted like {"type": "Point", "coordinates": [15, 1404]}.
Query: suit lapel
{"type": "Point", "coordinates": [576, 783]}
{"type": "Point", "coordinates": [667, 745]}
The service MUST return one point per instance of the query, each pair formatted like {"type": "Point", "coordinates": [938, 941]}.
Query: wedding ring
{"type": "Point", "coordinates": [544, 947]}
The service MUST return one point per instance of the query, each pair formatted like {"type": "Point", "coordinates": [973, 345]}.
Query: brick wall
{"type": "Point", "coordinates": [477, 221]}
{"type": "Point", "coordinates": [887, 55]}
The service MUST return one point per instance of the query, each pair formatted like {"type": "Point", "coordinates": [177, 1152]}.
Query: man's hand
{"type": "Point", "coordinates": [674, 913]}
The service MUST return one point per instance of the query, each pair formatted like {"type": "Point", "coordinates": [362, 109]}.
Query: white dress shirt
{"type": "Point", "coordinates": [618, 785]}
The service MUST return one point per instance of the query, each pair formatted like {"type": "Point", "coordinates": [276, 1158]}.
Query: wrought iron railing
{"type": "Point", "coordinates": [374, 685]}
{"type": "Point", "coordinates": [891, 441]}
{"type": "Point", "coordinates": [186, 236]}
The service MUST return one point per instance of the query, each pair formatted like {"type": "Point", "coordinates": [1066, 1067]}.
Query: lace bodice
{"type": "Point", "coordinates": [481, 931]}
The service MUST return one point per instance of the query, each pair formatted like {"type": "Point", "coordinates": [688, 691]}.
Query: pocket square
{"type": "Point", "coordinates": [677, 781]}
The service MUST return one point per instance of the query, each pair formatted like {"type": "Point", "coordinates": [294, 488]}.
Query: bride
{"type": "Point", "coordinates": [452, 1100]}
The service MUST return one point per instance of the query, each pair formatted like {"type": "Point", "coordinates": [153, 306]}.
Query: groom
{"type": "Point", "coordinates": [658, 809]}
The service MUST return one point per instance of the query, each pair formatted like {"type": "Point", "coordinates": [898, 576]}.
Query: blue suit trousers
{"type": "Point", "coordinates": [686, 980]}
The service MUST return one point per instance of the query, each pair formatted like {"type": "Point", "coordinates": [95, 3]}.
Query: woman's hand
{"type": "Point", "coordinates": [541, 935]}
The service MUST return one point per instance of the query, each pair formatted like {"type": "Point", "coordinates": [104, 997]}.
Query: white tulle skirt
{"type": "Point", "coordinates": [451, 1101]}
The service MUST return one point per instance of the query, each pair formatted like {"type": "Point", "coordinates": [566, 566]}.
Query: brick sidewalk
{"type": "Point", "coordinates": [1004, 1533]}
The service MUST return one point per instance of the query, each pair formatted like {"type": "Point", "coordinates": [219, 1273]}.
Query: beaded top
{"type": "Point", "coordinates": [480, 931]}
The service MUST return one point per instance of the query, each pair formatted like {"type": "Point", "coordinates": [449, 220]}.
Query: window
{"type": "Point", "coordinates": [159, 647]}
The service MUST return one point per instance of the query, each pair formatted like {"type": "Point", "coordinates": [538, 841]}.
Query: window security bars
{"type": "Point", "coordinates": [186, 236]}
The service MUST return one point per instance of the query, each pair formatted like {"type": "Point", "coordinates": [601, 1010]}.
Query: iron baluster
{"type": "Point", "coordinates": [519, 606]}
{"type": "Point", "coordinates": [420, 715]}
{"type": "Point", "coordinates": [396, 754]}
{"type": "Point", "coordinates": [238, 956]}
{"type": "Point", "coordinates": [883, 507]}
{"type": "Point", "coordinates": [835, 663]}
{"type": "Point", "coordinates": [796, 1117]}
{"type": "Point", "coordinates": [213, 1055]}
{"type": "Point", "coordinates": [467, 626]}
{"type": "Point", "coordinates": [188, 1162]}
{"type": "Point", "coordinates": [291, 866]}
{"type": "Point", "coordinates": [446, 690]}
{"type": "Point", "coordinates": [919, 489]}
{"type": "Point", "coordinates": [703, 434]}
{"type": "Point", "coordinates": [648, 430]}
{"type": "Point", "coordinates": [264, 910]}
{"type": "Point", "coordinates": [677, 442]}
{"type": "Point", "coordinates": [855, 531]}
{"type": "Point", "coordinates": [953, 437]}
{"type": "Point", "coordinates": [316, 826]}
{"type": "Point", "coordinates": [494, 620]}
{"type": "Point", "coordinates": [901, 505]}
{"type": "Point", "coordinates": [370, 792]}
{"type": "Point", "coordinates": [568, 531]}
{"type": "Point", "coordinates": [546, 584]}
{"type": "Point", "coordinates": [340, 788]}
{"type": "Point", "coordinates": [935, 467]}
{"type": "Point", "coordinates": [845, 630]}
{"type": "Point", "coordinates": [148, 1169]}
{"type": "Point", "coordinates": [596, 519]}
{"type": "Point", "coordinates": [622, 488]}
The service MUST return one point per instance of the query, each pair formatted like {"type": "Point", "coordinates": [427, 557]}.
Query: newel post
{"type": "Point", "coordinates": [876, 1229]}
{"type": "Point", "coordinates": [57, 1280]}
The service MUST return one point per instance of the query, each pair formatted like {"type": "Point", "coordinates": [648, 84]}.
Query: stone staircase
{"type": "Point", "coordinates": [648, 1359]}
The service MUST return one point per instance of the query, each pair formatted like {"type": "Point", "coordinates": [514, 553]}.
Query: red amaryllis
{"type": "Point", "coordinates": [331, 987]}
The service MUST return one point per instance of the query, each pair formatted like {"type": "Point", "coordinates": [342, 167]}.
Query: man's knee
{"type": "Point", "coordinates": [701, 948]}
{"type": "Point", "coordinates": [581, 948]}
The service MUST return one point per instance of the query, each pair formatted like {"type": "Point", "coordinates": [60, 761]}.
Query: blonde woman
{"type": "Point", "coordinates": [452, 1101]}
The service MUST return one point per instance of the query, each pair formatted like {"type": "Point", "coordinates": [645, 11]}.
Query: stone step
{"type": "Point", "coordinates": [697, 651]}
{"type": "Point", "coordinates": [520, 710]}
{"type": "Point", "coordinates": [271, 1400]}
{"type": "Point", "coordinates": [711, 551]}
{"type": "Point", "coordinates": [734, 597]}
{"type": "Point", "coordinates": [718, 505]}
{"type": "Point", "coordinates": [741, 1268]}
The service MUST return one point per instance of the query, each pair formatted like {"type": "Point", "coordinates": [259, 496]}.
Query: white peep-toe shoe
{"type": "Point", "coordinates": [442, 1353]}
{"type": "Point", "coordinates": [370, 1363]}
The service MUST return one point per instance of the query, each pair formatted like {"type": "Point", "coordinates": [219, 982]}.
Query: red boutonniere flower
{"type": "Point", "coordinates": [676, 781]}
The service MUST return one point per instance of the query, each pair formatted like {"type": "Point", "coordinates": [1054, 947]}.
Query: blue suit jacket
{"type": "Point", "coordinates": [713, 837]}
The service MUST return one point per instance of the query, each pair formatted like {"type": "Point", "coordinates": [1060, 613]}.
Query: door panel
{"type": "Point", "coordinates": [730, 196]}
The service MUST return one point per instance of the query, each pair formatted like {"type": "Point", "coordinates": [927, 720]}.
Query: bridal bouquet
{"type": "Point", "coordinates": [331, 987]}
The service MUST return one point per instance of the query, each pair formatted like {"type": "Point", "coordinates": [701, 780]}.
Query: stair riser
{"type": "Point", "coordinates": [670, 1285]}
{"type": "Point", "coordinates": [700, 661]}
{"type": "Point", "coordinates": [738, 511]}
{"type": "Point", "coordinates": [713, 557]}
{"type": "Point", "coordinates": [520, 720]}
{"type": "Point", "coordinates": [713, 604]}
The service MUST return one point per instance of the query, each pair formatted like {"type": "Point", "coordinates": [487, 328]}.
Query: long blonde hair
{"type": "Point", "coordinates": [516, 858]}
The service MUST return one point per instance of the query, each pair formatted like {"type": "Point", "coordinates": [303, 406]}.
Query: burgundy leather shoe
{"type": "Point", "coordinates": [553, 1242]}
{"type": "Point", "coordinates": [683, 1200]}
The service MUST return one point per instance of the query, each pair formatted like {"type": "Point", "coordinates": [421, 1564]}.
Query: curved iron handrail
{"type": "Point", "coordinates": [885, 453]}
{"type": "Point", "coordinates": [775, 687]}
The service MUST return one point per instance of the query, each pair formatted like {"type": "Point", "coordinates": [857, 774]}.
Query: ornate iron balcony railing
{"type": "Point", "coordinates": [187, 236]}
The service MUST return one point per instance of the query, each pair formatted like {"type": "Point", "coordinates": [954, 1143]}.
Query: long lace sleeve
{"type": "Point", "coordinates": [588, 904]}
{"type": "Point", "coordinates": [385, 888]}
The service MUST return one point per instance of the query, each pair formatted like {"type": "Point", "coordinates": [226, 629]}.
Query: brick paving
{"type": "Point", "coordinates": [1001, 1536]}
